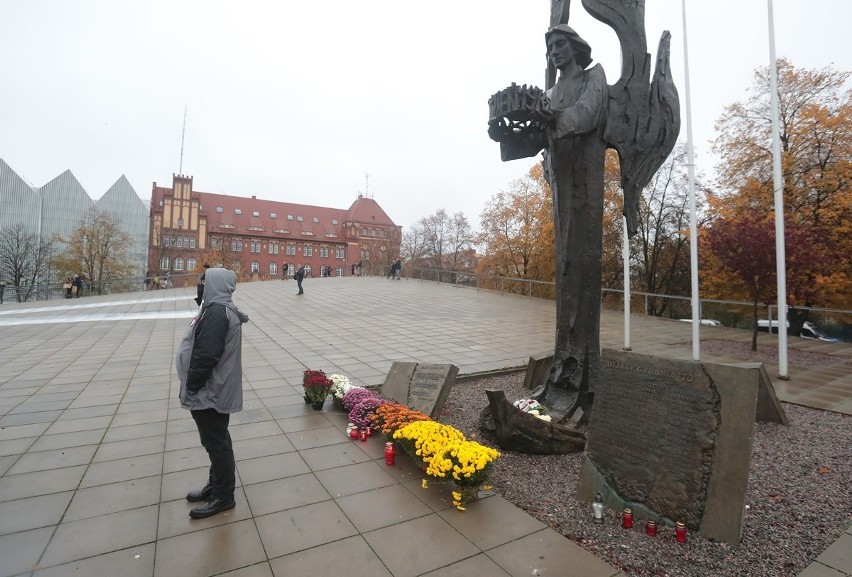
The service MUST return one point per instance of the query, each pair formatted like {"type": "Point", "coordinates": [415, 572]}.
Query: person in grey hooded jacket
{"type": "Point", "coordinates": [209, 365]}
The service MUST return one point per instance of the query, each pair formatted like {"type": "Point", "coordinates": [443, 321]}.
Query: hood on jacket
{"type": "Point", "coordinates": [219, 285]}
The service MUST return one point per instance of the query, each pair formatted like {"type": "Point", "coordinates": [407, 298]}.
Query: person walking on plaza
{"type": "Point", "coordinates": [209, 365]}
{"type": "Point", "coordinates": [299, 277]}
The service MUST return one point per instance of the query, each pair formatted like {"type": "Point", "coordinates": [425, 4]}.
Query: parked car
{"type": "Point", "coordinates": [809, 330]}
{"type": "Point", "coordinates": [705, 322]}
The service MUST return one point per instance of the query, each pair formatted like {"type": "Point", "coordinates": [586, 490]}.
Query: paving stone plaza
{"type": "Point", "coordinates": [96, 453]}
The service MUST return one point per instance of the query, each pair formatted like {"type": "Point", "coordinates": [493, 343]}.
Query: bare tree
{"type": "Point", "coordinates": [99, 249]}
{"type": "Point", "coordinates": [25, 258]}
{"type": "Point", "coordinates": [661, 247]}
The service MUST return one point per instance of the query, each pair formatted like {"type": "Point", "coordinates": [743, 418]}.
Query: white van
{"type": "Point", "coordinates": [809, 330]}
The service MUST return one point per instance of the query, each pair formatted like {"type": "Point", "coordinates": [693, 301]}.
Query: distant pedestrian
{"type": "Point", "coordinates": [209, 365]}
{"type": "Point", "coordinates": [68, 286]}
{"type": "Point", "coordinates": [78, 286]}
{"type": "Point", "coordinates": [2, 290]}
{"type": "Point", "coordinates": [299, 277]}
{"type": "Point", "coordinates": [147, 280]}
{"type": "Point", "coordinates": [397, 269]}
{"type": "Point", "coordinates": [284, 269]}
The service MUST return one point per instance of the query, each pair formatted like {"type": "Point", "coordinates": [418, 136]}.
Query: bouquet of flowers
{"type": "Point", "coordinates": [340, 385]}
{"type": "Point", "coordinates": [469, 465]}
{"type": "Point", "coordinates": [316, 385]}
{"type": "Point", "coordinates": [354, 396]}
{"type": "Point", "coordinates": [534, 408]}
{"type": "Point", "coordinates": [362, 412]}
{"type": "Point", "coordinates": [391, 417]}
{"type": "Point", "coordinates": [450, 457]}
{"type": "Point", "coordinates": [425, 439]}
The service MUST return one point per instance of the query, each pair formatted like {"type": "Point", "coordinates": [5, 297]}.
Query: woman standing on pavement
{"type": "Point", "coordinates": [209, 365]}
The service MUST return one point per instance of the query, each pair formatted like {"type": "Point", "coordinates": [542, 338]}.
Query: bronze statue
{"type": "Point", "coordinates": [574, 121]}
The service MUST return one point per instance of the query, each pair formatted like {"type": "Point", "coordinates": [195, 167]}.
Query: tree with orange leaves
{"type": "Point", "coordinates": [816, 148]}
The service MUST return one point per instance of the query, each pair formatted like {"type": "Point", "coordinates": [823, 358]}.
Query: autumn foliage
{"type": "Point", "coordinates": [816, 150]}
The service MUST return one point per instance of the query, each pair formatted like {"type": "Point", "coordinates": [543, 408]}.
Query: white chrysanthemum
{"type": "Point", "coordinates": [340, 385]}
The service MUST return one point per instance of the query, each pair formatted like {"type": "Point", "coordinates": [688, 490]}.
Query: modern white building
{"type": "Point", "coordinates": [59, 207]}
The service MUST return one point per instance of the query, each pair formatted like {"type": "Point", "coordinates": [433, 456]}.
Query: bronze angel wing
{"type": "Point", "coordinates": [643, 118]}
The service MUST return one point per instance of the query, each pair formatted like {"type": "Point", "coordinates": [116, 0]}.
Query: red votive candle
{"type": "Point", "coordinates": [627, 519]}
{"type": "Point", "coordinates": [363, 434]}
{"type": "Point", "coordinates": [680, 532]}
{"type": "Point", "coordinates": [353, 433]}
{"type": "Point", "coordinates": [390, 453]}
{"type": "Point", "coordinates": [651, 528]}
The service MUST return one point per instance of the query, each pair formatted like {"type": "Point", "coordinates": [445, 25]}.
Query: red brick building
{"type": "Point", "coordinates": [257, 238]}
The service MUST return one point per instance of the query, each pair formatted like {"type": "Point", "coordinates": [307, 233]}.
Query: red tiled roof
{"type": "Point", "coordinates": [366, 211]}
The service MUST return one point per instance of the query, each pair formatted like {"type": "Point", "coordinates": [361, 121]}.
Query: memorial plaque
{"type": "Point", "coordinates": [672, 440]}
{"type": "Point", "coordinates": [430, 387]}
{"type": "Point", "coordinates": [423, 387]}
{"type": "Point", "coordinates": [652, 432]}
{"type": "Point", "coordinates": [398, 381]}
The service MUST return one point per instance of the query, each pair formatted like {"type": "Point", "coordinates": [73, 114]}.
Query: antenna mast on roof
{"type": "Point", "coordinates": [182, 135]}
{"type": "Point", "coordinates": [367, 187]}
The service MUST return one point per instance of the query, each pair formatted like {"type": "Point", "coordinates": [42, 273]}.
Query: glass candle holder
{"type": "Point", "coordinates": [651, 528]}
{"type": "Point", "coordinates": [598, 509]}
{"type": "Point", "coordinates": [627, 519]}
{"type": "Point", "coordinates": [680, 532]}
{"type": "Point", "coordinates": [390, 453]}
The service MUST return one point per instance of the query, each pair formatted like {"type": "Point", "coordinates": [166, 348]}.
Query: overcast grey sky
{"type": "Point", "coordinates": [298, 101]}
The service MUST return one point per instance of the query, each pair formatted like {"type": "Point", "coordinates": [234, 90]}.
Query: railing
{"type": "Point", "coordinates": [55, 290]}
{"type": "Point", "coordinates": [737, 314]}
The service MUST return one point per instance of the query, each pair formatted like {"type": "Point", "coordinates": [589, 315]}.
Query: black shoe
{"type": "Point", "coordinates": [200, 495]}
{"type": "Point", "coordinates": [211, 507]}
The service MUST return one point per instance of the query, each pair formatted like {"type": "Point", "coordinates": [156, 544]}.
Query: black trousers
{"type": "Point", "coordinates": [299, 282]}
{"type": "Point", "coordinates": [213, 430]}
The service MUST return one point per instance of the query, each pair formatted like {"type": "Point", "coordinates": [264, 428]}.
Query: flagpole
{"type": "Point", "coordinates": [693, 225]}
{"type": "Point", "coordinates": [778, 183]}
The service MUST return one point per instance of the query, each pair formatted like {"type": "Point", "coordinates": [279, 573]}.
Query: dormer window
{"type": "Point", "coordinates": [219, 209]}
{"type": "Point", "coordinates": [255, 214]}
{"type": "Point", "coordinates": [289, 217]}
{"type": "Point", "coordinates": [333, 221]}
{"type": "Point", "coordinates": [316, 220]}
{"type": "Point", "coordinates": [237, 211]}
{"type": "Point", "coordinates": [273, 216]}
{"type": "Point", "coordinates": [299, 218]}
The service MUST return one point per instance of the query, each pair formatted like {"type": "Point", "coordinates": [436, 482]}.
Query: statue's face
{"type": "Point", "coordinates": [559, 50]}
